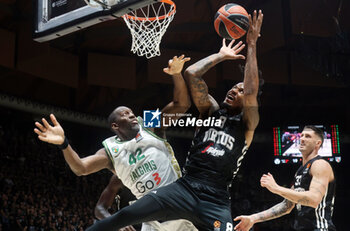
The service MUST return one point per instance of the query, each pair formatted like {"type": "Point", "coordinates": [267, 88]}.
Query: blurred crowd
{"type": "Point", "coordinates": [37, 189]}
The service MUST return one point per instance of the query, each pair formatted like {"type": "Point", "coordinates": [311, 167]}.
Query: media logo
{"type": "Point", "coordinates": [157, 119]}
{"type": "Point", "coordinates": [151, 118]}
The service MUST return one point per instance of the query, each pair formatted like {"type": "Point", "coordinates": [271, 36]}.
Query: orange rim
{"type": "Point", "coordinates": [154, 18]}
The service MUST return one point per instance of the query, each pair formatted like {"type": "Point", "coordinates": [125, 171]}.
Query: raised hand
{"type": "Point", "coordinates": [50, 134]}
{"type": "Point", "coordinates": [267, 181]}
{"type": "Point", "coordinates": [254, 27]}
{"type": "Point", "coordinates": [246, 222]}
{"type": "Point", "coordinates": [176, 64]}
{"type": "Point", "coordinates": [229, 52]}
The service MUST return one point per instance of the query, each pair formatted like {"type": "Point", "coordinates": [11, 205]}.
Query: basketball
{"type": "Point", "coordinates": [231, 21]}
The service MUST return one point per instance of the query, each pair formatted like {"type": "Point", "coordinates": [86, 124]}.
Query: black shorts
{"type": "Point", "coordinates": [207, 207]}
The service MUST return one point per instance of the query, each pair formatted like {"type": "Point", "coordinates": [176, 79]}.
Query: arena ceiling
{"type": "Point", "coordinates": [304, 45]}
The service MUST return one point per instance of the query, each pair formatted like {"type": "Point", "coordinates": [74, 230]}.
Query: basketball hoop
{"type": "Point", "coordinates": [148, 25]}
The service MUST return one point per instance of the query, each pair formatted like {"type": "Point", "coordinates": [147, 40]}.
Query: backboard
{"type": "Point", "coordinates": [55, 18]}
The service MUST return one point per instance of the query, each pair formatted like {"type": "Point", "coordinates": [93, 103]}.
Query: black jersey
{"type": "Point", "coordinates": [308, 218]}
{"type": "Point", "coordinates": [217, 151]}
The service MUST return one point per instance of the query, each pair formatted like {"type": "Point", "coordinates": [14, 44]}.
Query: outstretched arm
{"type": "Point", "coordinates": [246, 222]}
{"type": "Point", "coordinates": [80, 166]}
{"type": "Point", "coordinates": [322, 174]}
{"type": "Point", "coordinates": [251, 78]}
{"type": "Point", "coordinates": [181, 100]}
{"type": "Point", "coordinates": [194, 73]}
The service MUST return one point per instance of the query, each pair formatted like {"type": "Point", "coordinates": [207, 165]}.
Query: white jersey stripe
{"type": "Point", "coordinates": [108, 152]}
{"type": "Point", "coordinates": [320, 214]}
{"type": "Point", "coordinates": [332, 207]}
{"type": "Point", "coordinates": [317, 216]}
{"type": "Point", "coordinates": [324, 221]}
{"type": "Point", "coordinates": [321, 221]}
{"type": "Point", "coordinates": [324, 210]}
{"type": "Point", "coordinates": [239, 161]}
{"type": "Point", "coordinates": [174, 162]}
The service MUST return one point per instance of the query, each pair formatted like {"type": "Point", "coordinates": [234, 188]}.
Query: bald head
{"type": "Point", "coordinates": [116, 113]}
{"type": "Point", "coordinates": [124, 123]}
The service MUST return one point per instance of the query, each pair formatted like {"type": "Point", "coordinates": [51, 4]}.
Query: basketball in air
{"type": "Point", "coordinates": [231, 21]}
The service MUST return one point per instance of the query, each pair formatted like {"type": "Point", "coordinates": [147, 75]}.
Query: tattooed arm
{"type": "Point", "coordinates": [321, 173]}
{"type": "Point", "coordinates": [194, 73]}
{"type": "Point", "coordinates": [246, 222]}
{"type": "Point", "coordinates": [283, 208]}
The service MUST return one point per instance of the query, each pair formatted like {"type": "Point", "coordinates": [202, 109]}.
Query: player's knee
{"type": "Point", "coordinates": [124, 213]}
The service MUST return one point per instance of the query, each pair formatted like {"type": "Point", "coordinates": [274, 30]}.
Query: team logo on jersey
{"type": "Point", "coordinates": [138, 137]}
{"type": "Point", "coordinates": [219, 137]}
{"type": "Point", "coordinates": [217, 225]}
{"type": "Point", "coordinates": [213, 151]}
{"type": "Point", "coordinates": [151, 118]}
{"type": "Point", "coordinates": [307, 168]}
{"type": "Point", "coordinates": [115, 149]}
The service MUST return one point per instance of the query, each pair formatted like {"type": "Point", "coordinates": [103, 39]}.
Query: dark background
{"type": "Point", "coordinates": [304, 55]}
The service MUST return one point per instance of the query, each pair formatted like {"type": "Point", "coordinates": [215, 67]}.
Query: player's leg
{"type": "Point", "coordinates": [170, 202]}
{"type": "Point", "coordinates": [177, 225]}
{"type": "Point", "coordinates": [145, 209]}
{"type": "Point", "coordinates": [215, 217]}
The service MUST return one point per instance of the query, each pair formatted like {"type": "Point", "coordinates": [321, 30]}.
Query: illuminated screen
{"type": "Point", "coordinates": [287, 142]}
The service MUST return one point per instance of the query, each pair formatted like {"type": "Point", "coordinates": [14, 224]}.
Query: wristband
{"type": "Point", "coordinates": [64, 145]}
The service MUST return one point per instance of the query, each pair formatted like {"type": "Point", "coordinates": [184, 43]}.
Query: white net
{"type": "Point", "coordinates": [148, 25]}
